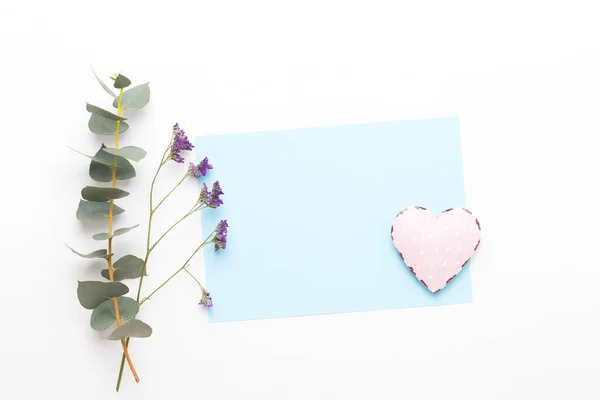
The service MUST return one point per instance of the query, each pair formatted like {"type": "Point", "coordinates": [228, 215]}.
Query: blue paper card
{"type": "Point", "coordinates": [310, 212]}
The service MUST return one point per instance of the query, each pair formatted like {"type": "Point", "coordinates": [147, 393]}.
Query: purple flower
{"type": "Point", "coordinates": [179, 143]}
{"type": "Point", "coordinates": [211, 199]}
{"type": "Point", "coordinates": [204, 194]}
{"type": "Point", "coordinates": [201, 169]}
{"type": "Point", "coordinates": [206, 300]}
{"type": "Point", "coordinates": [220, 239]}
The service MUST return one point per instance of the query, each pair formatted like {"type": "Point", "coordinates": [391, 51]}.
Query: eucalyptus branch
{"type": "Point", "coordinates": [106, 298]}
{"type": "Point", "coordinates": [110, 232]}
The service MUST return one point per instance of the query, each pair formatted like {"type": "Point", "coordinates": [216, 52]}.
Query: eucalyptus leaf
{"type": "Point", "coordinates": [92, 293]}
{"type": "Point", "coordinates": [101, 194]}
{"type": "Point", "coordinates": [102, 160]}
{"type": "Point", "coordinates": [118, 232]}
{"type": "Point", "coordinates": [134, 98]}
{"type": "Point", "coordinates": [104, 126]}
{"type": "Point", "coordinates": [103, 85]}
{"type": "Point", "coordinates": [104, 315]}
{"type": "Point", "coordinates": [100, 111]}
{"type": "Point", "coordinates": [101, 167]}
{"type": "Point", "coordinates": [126, 267]}
{"type": "Point", "coordinates": [92, 210]}
{"type": "Point", "coordinates": [101, 253]}
{"type": "Point", "coordinates": [121, 82]}
{"type": "Point", "coordinates": [130, 152]}
{"type": "Point", "coordinates": [132, 328]}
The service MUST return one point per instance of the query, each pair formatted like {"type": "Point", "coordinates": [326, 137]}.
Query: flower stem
{"type": "Point", "coordinates": [172, 190]}
{"type": "Point", "coordinates": [163, 161]}
{"type": "Point", "coordinates": [185, 264]}
{"type": "Point", "coordinates": [193, 210]}
{"type": "Point", "coordinates": [194, 278]}
{"type": "Point", "coordinates": [110, 229]}
{"type": "Point", "coordinates": [161, 285]}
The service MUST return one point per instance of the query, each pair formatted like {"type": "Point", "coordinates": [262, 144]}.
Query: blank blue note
{"type": "Point", "coordinates": [310, 212]}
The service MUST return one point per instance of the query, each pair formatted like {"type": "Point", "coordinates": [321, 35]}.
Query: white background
{"type": "Point", "coordinates": [524, 77]}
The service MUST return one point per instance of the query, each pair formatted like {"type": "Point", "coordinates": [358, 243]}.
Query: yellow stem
{"type": "Point", "coordinates": [110, 229]}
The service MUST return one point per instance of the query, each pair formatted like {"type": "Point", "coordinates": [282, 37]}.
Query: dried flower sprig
{"type": "Point", "coordinates": [178, 144]}
{"type": "Point", "coordinates": [98, 202]}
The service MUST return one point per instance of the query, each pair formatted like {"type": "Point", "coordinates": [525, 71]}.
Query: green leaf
{"type": "Point", "coordinates": [103, 160]}
{"type": "Point", "coordinates": [102, 112]}
{"type": "Point", "coordinates": [127, 267]}
{"type": "Point", "coordinates": [101, 194]}
{"type": "Point", "coordinates": [103, 85]}
{"type": "Point", "coordinates": [121, 82]}
{"type": "Point", "coordinates": [133, 328]}
{"type": "Point", "coordinates": [104, 316]}
{"type": "Point", "coordinates": [118, 232]}
{"type": "Point", "coordinates": [130, 152]}
{"type": "Point", "coordinates": [135, 98]}
{"type": "Point", "coordinates": [101, 167]}
{"type": "Point", "coordinates": [104, 126]}
{"type": "Point", "coordinates": [92, 293]}
{"type": "Point", "coordinates": [102, 253]}
{"type": "Point", "coordinates": [91, 210]}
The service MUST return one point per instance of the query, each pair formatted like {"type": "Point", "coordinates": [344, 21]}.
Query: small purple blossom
{"type": "Point", "coordinates": [216, 189]}
{"type": "Point", "coordinates": [204, 194]}
{"type": "Point", "coordinates": [211, 199]}
{"type": "Point", "coordinates": [201, 169]}
{"type": "Point", "coordinates": [206, 300]}
{"type": "Point", "coordinates": [220, 239]}
{"type": "Point", "coordinates": [179, 143]}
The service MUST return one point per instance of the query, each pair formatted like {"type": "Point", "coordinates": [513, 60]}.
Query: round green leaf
{"type": "Point", "coordinates": [99, 194]}
{"type": "Point", "coordinates": [118, 232]}
{"type": "Point", "coordinates": [132, 328]}
{"type": "Point", "coordinates": [101, 253]}
{"type": "Point", "coordinates": [135, 98]}
{"type": "Point", "coordinates": [92, 293]}
{"type": "Point", "coordinates": [130, 152]}
{"type": "Point", "coordinates": [91, 210]}
{"type": "Point", "coordinates": [104, 126]}
{"type": "Point", "coordinates": [103, 316]}
{"type": "Point", "coordinates": [102, 112]}
{"type": "Point", "coordinates": [101, 167]}
{"type": "Point", "coordinates": [121, 82]}
{"type": "Point", "coordinates": [126, 267]}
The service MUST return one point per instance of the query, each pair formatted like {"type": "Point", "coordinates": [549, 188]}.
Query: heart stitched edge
{"type": "Point", "coordinates": [411, 269]}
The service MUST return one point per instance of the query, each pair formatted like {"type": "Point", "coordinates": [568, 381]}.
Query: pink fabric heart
{"type": "Point", "coordinates": [435, 249]}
